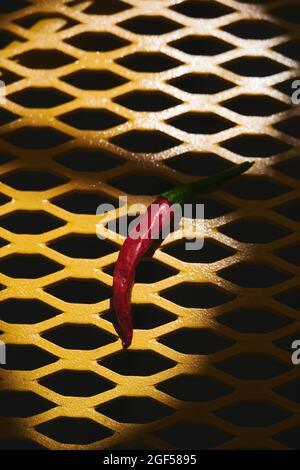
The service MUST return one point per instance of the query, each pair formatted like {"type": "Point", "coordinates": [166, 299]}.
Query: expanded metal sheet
{"type": "Point", "coordinates": [201, 418]}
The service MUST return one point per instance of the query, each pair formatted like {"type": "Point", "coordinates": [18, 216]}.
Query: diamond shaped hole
{"type": "Point", "coordinates": [290, 297]}
{"type": "Point", "coordinates": [46, 97]}
{"type": "Point", "coordinates": [212, 251]}
{"type": "Point", "coordinates": [290, 437]}
{"type": "Point", "coordinates": [88, 160]}
{"type": "Point", "coordinates": [94, 79]}
{"type": "Point", "coordinates": [149, 271]}
{"type": "Point", "coordinates": [85, 291]}
{"type": "Point", "coordinates": [74, 430]}
{"type": "Point", "coordinates": [4, 156]}
{"type": "Point", "coordinates": [254, 231]}
{"type": "Point", "coordinates": [193, 436]}
{"type": "Point", "coordinates": [148, 62]}
{"type": "Point", "coordinates": [150, 25]}
{"type": "Point", "coordinates": [2, 287]}
{"type": "Point", "coordinates": [33, 222]}
{"type": "Point", "coordinates": [76, 383]}
{"type": "Point", "coordinates": [4, 199]}
{"type": "Point", "coordinates": [92, 119]}
{"type": "Point", "coordinates": [254, 66]}
{"type": "Point", "coordinates": [3, 242]}
{"type": "Point", "coordinates": [43, 59]}
{"type": "Point", "coordinates": [289, 12]}
{"type": "Point", "coordinates": [255, 146]}
{"type": "Point", "coordinates": [197, 295]}
{"type": "Point", "coordinates": [102, 42]}
{"type": "Point", "coordinates": [139, 363]}
{"type": "Point", "coordinates": [195, 341]}
{"type": "Point", "coordinates": [145, 317]}
{"type": "Point", "coordinates": [290, 49]}
{"type": "Point", "coordinates": [290, 167]}
{"type": "Point", "coordinates": [22, 404]}
{"type": "Point", "coordinates": [290, 390]}
{"type": "Point", "coordinates": [201, 83]}
{"type": "Point", "coordinates": [200, 123]}
{"type": "Point", "coordinates": [255, 187]}
{"type": "Point", "coordinates": [290, 253]}
{"type": "Point", "coordinates": [80, 202]}
{"type": "Point", "coordinates": [252, 413]}
{"type": "Point", "coordinates": [201, 45]}
{"type": "Point", "coordinates": [28, 21]}
{"type": "Point", "coordinates": [7, 38]}
{"type": "Point", "coordinates": [36, 138]}
{"type": "Point", "coordinates": [255, 105]}
{"type": "Point", "coordinates": [7, 117]}
{"type": "Point", "coordinates": [28, 266]}
{"type": "Point", "coordinates": [33, 180]}
{"type": "Point", "coordinates": [150, 101]}
{"type": "Point", "coordinates": [253, 275]}
{"type": "Point", "coordinates": [26, 311]}
{"type": "Point", "coordinates": [290, 209]}
{"type": "Point", "coordinates": [253, 320]}
{"type": "Point", "coordinates": [254, 29]}
{"type": "Point", "coordinates": [289, 126]}
{"type": "Point", "coordinates": [83, 246]}
{"type": "Point", "coordinates": [13, 5]}
{"type": "Point", "coordinates": [145, 141]}
{"type": "Point", "coordinates": [198, 163]}
{"type": "Point", "coordinates": [286, 343]}
{"type": "Point", "coordinates": [7, 76]}
{"type": "Point", "coordinates": [106, 8]}
{"type": "Point", "coordinates": [74, 336]}
{"type": "Point", "coordinates": [203, 9]}
{"type": "Point", "coordinates": [120, 226]}
{"type": "Point", "coordinates": [134, 410]}
{"type": "Point", "coordinates": [148, 184]}
{"type": "Point", "coordinates": [194, 388]}
{"type": "Point", "coordinates": [27, 357]}
{"type": "Point", "coordinates": [285, 87]}
{"type": "Point", "coordinates": [253, 366]}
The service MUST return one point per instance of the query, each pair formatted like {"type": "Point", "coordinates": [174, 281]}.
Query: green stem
{"type": "Point", "coordinates": [180, 194]}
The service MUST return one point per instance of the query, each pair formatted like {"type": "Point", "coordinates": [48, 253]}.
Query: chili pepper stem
{"type": "Point", "coordinates": [180, 194]}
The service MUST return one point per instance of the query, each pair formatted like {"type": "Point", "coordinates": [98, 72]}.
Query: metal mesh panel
{"type": "Point", "coordinates": [71, 71]}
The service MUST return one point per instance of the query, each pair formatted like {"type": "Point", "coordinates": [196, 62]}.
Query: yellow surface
{"type": "Point", "coordinates": [47, 33]}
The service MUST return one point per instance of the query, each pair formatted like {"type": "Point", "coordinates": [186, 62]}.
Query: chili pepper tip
{"type": "Point", "coordinates": [126, 343]}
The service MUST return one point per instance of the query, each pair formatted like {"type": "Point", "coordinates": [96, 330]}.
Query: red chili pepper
{"type": "Point", "coordinates": [158, 215]}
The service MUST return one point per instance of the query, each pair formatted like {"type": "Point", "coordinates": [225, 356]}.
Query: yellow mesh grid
{"type": "Point", "coordinates": [49, 33]}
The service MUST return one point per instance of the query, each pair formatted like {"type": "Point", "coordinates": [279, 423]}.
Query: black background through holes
{"type": "Point", "coordinates": [252, 321]}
